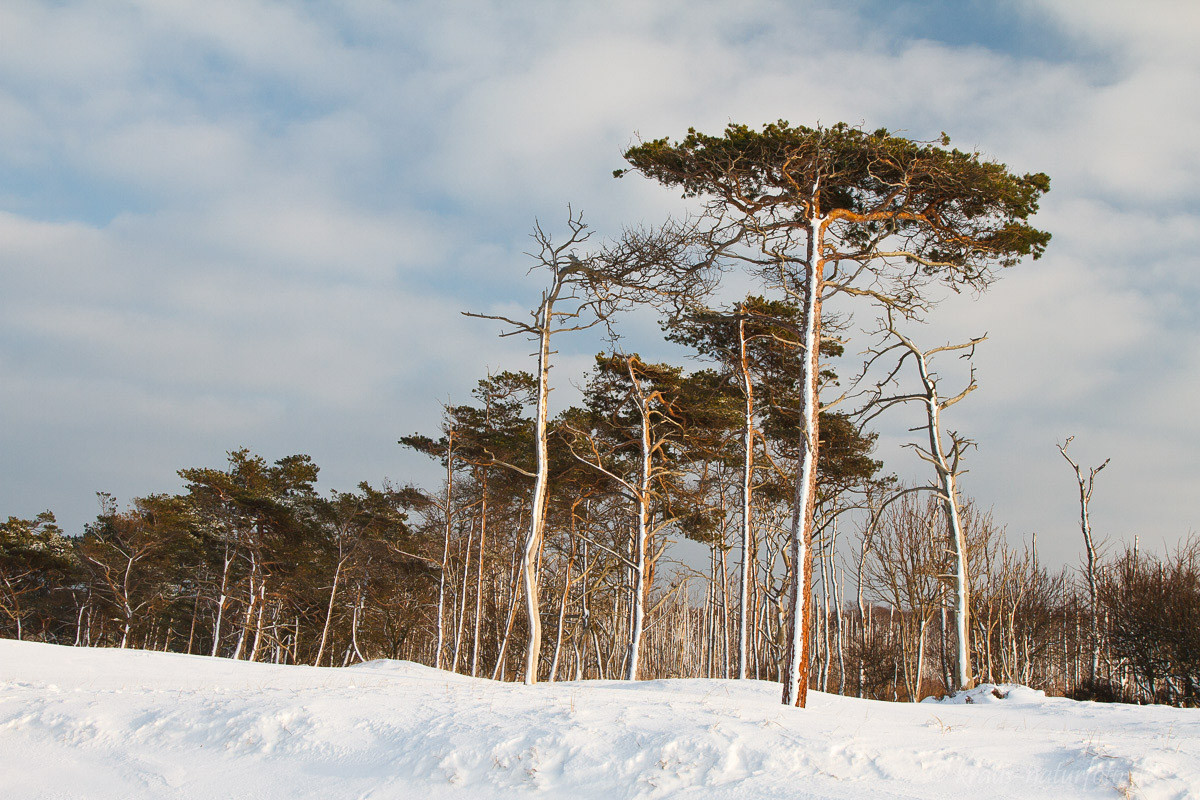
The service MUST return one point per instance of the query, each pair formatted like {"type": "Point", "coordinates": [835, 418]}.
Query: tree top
{"type": "Point", "coordinates": [962, 207]}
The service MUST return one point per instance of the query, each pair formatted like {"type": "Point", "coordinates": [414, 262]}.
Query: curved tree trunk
{"type": "Point", "coordinates": [537, 523]}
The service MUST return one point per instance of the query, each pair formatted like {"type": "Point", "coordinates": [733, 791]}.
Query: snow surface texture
{"type": "Point", "coordinates": [89, 723]}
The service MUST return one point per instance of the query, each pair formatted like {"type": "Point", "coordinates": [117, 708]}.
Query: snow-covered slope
{"type": "Point", "coordinates": [82, 723]}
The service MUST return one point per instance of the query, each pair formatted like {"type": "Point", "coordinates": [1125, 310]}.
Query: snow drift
{"type": "Point", "coordinates": [91, 723]}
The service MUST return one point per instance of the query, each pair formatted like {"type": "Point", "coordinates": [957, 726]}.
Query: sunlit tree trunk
{"type": "Point", "coordinates": [799, 625]}
{"type": "Point", "coordinates": [746, 491]}
{"type": "Point", "coordinates": [449, 514]}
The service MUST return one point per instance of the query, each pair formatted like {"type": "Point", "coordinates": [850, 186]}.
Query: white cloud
{"type": "Point", "coordinates": [1149, 31]}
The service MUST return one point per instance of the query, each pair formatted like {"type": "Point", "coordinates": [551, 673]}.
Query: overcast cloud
{"type": "Point", "coordinates": [254, 223]}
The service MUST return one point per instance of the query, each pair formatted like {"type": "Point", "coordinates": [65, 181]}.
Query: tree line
{"type": "Point", "coordinates": [543, 554]}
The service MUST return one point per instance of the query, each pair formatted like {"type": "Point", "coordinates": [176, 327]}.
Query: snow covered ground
{"type": "Point", "coordinates": [84, 723]}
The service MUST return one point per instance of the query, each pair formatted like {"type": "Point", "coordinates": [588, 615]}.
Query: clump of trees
{"type": "Point", "coordinates": [254, 570]}
{"type": "Point", "coordinates": [544, 551]}
{"type": "Point", "coordinates": [250, 562]}
{"type": "Point", "coordinates": [823, 213]}
{"type": "Point", "coordinates": [1151, 643]}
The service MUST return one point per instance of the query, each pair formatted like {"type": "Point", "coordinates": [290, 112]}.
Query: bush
{"type": "Point", "coordinates": [1151, 606]}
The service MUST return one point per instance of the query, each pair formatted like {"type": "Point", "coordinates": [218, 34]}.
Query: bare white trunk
{"type": "Point", "coordinates": [826, 658]}
{"type": "Point", "coordinates": [501, 662]}
{"type": "Point", "coordinates": [461, 604]}
{"type": "Point", "coordinates": [441, 608]}
{"type": "Point", "coordinates": [241, 642]}
{"type": "Point", "coordinates": [841, 649]}
{"type": "Point", "coordinates": [358, 608]}
{"type": "Point", "coordinates": [221, 601]}
{"type": "Point", "coordinates": [479, 582]}
{"type": "Point", "coordinates": [725, 663]}
{"type": "Point", "coordinates": [638, 595]}
{"type": "Point", "coordinates": [962, 598]}
{"type": "Point", "coordinates": [947, 486]}
{"type": "Point", "coordinates": [1085, 525]}
{"type": "Point", "coordinates": [537, 522]}
{"type": "Point", "coordinates": [78, 623]}
{"type": "Point", "coordinates": [124, 603]}
{"type": "Point", "coordinates": [916, 695]}
{"type": "Point", "coordinates": [258, 623]}
{"type": "Point", "coordinates": [958, 546]}
{"type": "Point", "coordinates": [337, 574]}
{"type": "Point", "coordinates": [641, 534]}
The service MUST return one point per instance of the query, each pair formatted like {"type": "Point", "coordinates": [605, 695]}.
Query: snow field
{"type": "Point", "coordinates": [103, 723]}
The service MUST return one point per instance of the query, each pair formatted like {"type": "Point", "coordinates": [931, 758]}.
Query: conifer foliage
{"type": "Point", "coordinates": [828, 211]}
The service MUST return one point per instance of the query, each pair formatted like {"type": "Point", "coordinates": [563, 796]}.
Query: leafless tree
{"type": "Point", "coordinates": [583, 292]}
{"type": "Point", "coordinates": [1085, 525]}
{"type": "Point", "coordinates": [945, 458]}
{"type": "Point", "coordinates": [902, 571]}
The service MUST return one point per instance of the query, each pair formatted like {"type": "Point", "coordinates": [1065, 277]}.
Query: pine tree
{"type": "Point", "coordinates": [825, 211]}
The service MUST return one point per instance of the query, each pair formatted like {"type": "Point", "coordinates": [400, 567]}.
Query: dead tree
{"type": "Point", "coordinates": [568, 303]}
{"type": "Point", "coordinates": [580, 294]}
{"type": "Point", "coordinates": [945, 458]}
{"type": "Point", "coordinates": [1085, 525]}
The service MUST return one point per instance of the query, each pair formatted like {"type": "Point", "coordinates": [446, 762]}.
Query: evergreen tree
{"type": "Point", "coordinates": [825, 211]}
{"type": "Point", "coordinates": [35, 559]}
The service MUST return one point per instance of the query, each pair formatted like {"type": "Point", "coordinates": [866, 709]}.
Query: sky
{"type": "Point", "coordinates": [255, 223]}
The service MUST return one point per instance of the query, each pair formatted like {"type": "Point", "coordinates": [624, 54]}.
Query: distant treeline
{"type": "Point", "coordinates": [250, 562]}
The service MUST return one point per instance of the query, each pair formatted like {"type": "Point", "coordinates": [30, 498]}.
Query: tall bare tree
{"type": "Point", "coordinates": [945, 458]}
{"type": "Point", "coordinates": [1085, 526]}
{"type": "Point", "coordinates": [567, 304]}
{"type": "Point", "coordinates": [583, 292]}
